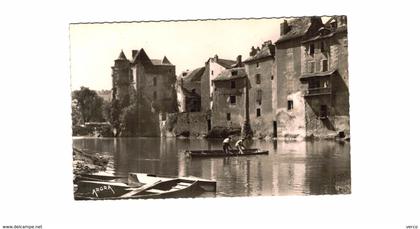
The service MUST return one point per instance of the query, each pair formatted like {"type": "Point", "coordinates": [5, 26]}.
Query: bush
{"type": "Point", "coordinates": [223, 132]}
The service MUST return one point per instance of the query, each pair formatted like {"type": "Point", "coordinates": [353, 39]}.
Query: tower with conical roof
{"type": "Point", "coordinates": [122, 78]}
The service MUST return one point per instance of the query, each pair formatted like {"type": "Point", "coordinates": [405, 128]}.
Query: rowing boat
{"type": "Point", "coordinates": [142, 186]}
{"type": "Point", "coordinates": [221, 153]}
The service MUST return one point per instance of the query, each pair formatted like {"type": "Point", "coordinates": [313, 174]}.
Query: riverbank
{"type": "Point", "coordinates": [85, 162]}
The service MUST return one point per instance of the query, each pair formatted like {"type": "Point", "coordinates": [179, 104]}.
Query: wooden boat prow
{"type": "Point", "coordinates": [143, 186]}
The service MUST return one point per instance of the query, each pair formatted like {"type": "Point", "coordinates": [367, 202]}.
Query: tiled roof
{"type": "Point", "coordinates": [328, 33]}
{"type": "Point", "coordinates": [122, 56]}
{"type": "Point", "coordinates": [317, 74]}
{"type": "Point", "coordinates": [194, 75]}
{"type": "Point", "coordinates": [166, 61]}
{"type": "Point", "coordinates": [142, 56]}
{"type": "Point", "coordinates": [190, 93]}
{"type": "Point", "coordinates": [266, 51]}
{"type": "Point", "coordinates": [192, 79]}
{"type": "Point", "coordinates": [227, 74]}
{"type": "Point", "coordinates": [226, 63]}
{"type": "Point", "coordinates": [160, 62]}
{"type": "Point", "coordinates": [297, 28]}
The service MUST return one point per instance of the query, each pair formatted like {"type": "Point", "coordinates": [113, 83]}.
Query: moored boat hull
{"type": "Point", "coordinates": [143, 186]}
{"type": "Point", "coordinates": [220, 153]}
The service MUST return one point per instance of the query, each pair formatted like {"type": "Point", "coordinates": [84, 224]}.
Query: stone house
{"type": "Point", "coordinates": [289, 57]}
{"type": "Point", "coordinates": [260, 67]}
{"type": "Point", "coordinates": [213, 67]}
{"type": "Point", "coordinates": [155, 81]}
{"type": "Point", "coordinates": [325, 80]}
{"type": "Point", "coordinates": [229, 98]}
{"type": "Point", "coordinates": [189, 90]}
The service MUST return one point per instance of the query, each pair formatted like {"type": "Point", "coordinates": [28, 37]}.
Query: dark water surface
{"type": "Point", "coordinates": [291, 168]}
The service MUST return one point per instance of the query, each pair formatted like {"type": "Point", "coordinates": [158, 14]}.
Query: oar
{"type": "Point", "coordinates": [140, 189]}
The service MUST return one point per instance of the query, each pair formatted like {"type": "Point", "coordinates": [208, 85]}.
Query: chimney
{"type": "Point", "coordinates": [216, 58]}
{"type": "Point", "coordinates": [134, 53]}
{"type": "Point", "coordinates": [284, 28]}
{"type": "Point", "coordinates": [267, 43]}
{"type": "Point", "coordinates": [239, 60]}
{"type": "Point", "coordinates": [253, 51]}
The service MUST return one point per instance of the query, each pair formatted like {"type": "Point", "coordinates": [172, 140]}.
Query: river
{"type": "Point", "coordinates": [291, 168]}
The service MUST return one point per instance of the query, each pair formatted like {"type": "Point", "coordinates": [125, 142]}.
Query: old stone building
{"type": "Point", "coordinates": [260, 67]}
{"type": "Point", "coordinates": [289, 56]}
{"type": "Point", "coordinates": [155, 81]}
{"type": "Point", "coordinates": [122, 79]}
{"type": "Point", "coordinates": [325, 80]}
{"type": "Point", "coordinates": [229, 98]}
{"type": "Point", "coordinates": [312, 78]}
{"type": "Point", "coordinates": [189, 90]}
{"type": "Point", "coordinates": [213, 67]}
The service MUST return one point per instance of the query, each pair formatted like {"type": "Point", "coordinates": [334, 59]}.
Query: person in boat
{"type": "Point", "coordinates": [240, 145]}
{"type": "Point", "coordinates": [226, 145]}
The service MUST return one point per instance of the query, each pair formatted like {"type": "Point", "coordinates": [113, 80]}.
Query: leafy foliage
{"type": "Point", "coordinates": [89, 105]}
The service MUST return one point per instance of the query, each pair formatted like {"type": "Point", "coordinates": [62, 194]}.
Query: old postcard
{"type": "Point", "coordinates": [210, 108]}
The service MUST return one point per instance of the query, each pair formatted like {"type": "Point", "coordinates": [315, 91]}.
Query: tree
{"type": "Point", "coordinates": [89, 105]}
{"type": "Point", "coordinates": [106, 111]}
{"type": "Point", "coordinates": [129, 120]}
{"type": "Point", "coordinates": [76, 116]}
{"type": "Point", "coordinates": [115, 115]}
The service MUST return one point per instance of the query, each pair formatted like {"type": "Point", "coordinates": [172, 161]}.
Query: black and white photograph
{"type": "Point", "coordinates": [209, 114]}
{"type": "Point", "coordinates": [242, 108]}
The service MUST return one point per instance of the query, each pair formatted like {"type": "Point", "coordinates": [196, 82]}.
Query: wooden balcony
{"type": "Point", "coordinates": [318, 91]}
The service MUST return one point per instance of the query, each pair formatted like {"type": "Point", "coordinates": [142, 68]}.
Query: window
{"type": "Point", "coordinates": [323, 112]}
{"type": "Point", "coordinates": [154, 81]}
{"type": "Point", "coordinates": [258, 65]}
{"type": "Point", "coordinates": [170, 70]}
{"type": "Point", "coordinates": [258, 112]}
{"type": "Point", "coordinates": [257, 78]}
{"type": "Point", "coordinates": [322, 46]}
{"type": "Point", "coordinates": [228, 116]}
{"type": "Point", "coordinates": [324, 65]}
{"type": "Point", "coordinates": [232, 99]}
{"type": "Point", "coordinates": [289, 105]}
{"type": "Point", "coordinates": [311, 67]}
{"type": "Point", "coordinates": [311, 49]}
{"type": "Point", "coordinates": [234, 72]}
{"type": "Point", "coordinates": [232, 84]}
{"type": "Point", "coordinates": [259, 96]}
{"type": "Point", "coordinates": [154, 95]}
{"type": "Point", "coordinates": [314, 84]}
{"type": "Point", "coordinates": [163, 116]}
{"type": "Point", "coordinates": [193, 91]}
{"type": "Point", "coordinates": [272, 77]}
{"type": "Point", "coordinates": [211, 72]}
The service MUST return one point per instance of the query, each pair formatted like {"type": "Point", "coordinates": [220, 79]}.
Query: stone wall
{"type": "Point", "coordinates": [261, 126]}
{"type": "Point", "coordinates": [186, 124]}
{"type": "Point", "coordinates": [157, 84]}
{"type": "Point", "coordinates": [222, 105]}
{"type": "Point", "coordinates": [205, 89]}
{"type": "Point", "coordinates": [337, 103]}
{"type": "Point", "coordinates": [290, 122]}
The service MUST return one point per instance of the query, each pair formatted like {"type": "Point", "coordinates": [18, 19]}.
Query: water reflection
{"type": "Point", "coordinates": [291, 168]}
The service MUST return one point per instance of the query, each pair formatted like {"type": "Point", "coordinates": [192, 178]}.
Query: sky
{"type": "Point", "coordinates": [187, 44]}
